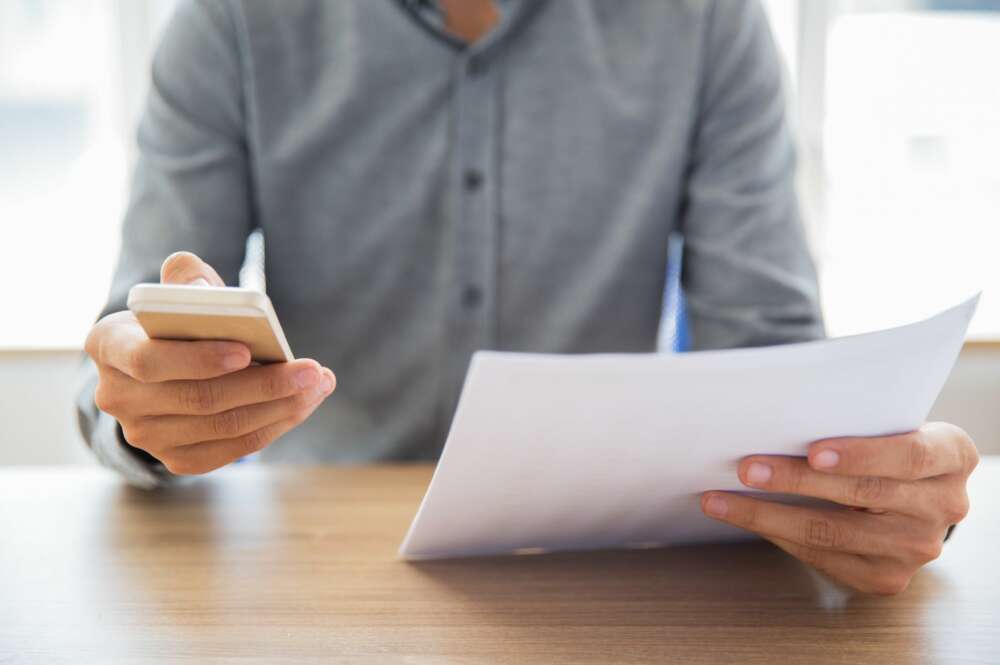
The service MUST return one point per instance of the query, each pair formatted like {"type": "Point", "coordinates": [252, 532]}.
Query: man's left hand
{"type": "Point", "coordinates": [898, 497]}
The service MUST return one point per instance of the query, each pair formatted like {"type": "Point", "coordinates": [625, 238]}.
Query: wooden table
{"type": "Point", "coordinates": [299, 565]}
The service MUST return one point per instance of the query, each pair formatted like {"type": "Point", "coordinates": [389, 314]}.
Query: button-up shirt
{"type": "Point", "coordinates": [421, 199]}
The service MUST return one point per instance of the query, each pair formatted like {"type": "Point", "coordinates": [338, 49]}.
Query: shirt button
{"type": "Point", "coordinates": [473, 180]}
{"type": "Point", "coordinates": [474, 67]}
{"type": "Point", "coordinates": [471, 296]}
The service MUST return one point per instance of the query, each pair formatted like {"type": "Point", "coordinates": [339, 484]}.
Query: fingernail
{"type": "Point", "coordinates": [716, 506]}
{"type": "Point", "coordinates": [306, 377]}
{"type": "Point", "coordinates": [327, 384]}
{"type": "Point", "coordinates": [234, 360]}
{"type": "Point", "coordinates": [826, 459]}
{"type": "Point", "coordinates": [758, 474]}
{"type": "Point", "coordinates": [200, 281]}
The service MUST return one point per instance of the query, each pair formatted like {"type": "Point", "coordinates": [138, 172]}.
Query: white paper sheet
{"type": "Point", "coordinates": [560, 452]}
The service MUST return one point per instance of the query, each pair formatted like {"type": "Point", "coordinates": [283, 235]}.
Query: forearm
{"type": "Point", "coordinates": [189, 192]}
{"type": "Point", "coordinates": [748, 275]}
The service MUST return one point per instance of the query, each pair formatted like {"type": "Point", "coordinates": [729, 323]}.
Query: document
{"type": "Point", "coordinates": [569, 452]}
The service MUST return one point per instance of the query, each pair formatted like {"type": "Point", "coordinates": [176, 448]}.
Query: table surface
{"type": "Point", "coordinates": [298, 564]}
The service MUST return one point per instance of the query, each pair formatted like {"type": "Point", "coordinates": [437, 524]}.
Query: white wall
{"type": "Point", "coordinates": [971, 398]}
{"type": "Point", "coordinates": [37, 389]}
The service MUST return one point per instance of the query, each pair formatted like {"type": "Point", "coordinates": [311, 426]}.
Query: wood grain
{"type": "Point", "coordinates": [298, 565]}
{"type": "Point", "coordinates": [983, 344]}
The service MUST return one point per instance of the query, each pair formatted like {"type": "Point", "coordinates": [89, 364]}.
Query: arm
{"type": "Point", "coordinates": [750, 281]}
{"type": "Point", "coordinates": [748, 277]}
{"type": "Point", "coordinates": [190, 190]}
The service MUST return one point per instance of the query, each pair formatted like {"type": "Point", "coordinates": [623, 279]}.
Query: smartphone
{"type": "Point", "coordinates": [173, 311]}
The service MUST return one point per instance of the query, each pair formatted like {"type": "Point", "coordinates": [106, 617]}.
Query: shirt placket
{"type": "Point", "coordinates": [472, 292]}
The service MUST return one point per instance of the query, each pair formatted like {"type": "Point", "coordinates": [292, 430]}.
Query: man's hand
{"type": "Point", "coordinates": [900, 494]}
{"type": "Point", "coordinates": [197, 405]}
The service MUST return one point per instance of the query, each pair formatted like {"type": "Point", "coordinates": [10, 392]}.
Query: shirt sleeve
{"type": "Point", "coordinates": [748, 275]}
{"type": "Point", "coordinates": [190, 189]}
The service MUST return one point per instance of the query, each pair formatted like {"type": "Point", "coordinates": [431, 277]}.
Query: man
{"type": "Point", "coordinates": [436, 177]}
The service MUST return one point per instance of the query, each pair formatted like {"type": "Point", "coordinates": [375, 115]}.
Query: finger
{"type": "Point", "coordinates": [837, 530]}
{"type": "Point", "coordinates": [172, 431]}
{"type": "Point", "coordinates": [124, 345]}
{"type": "Point", "coordinates": [793, 475]}
{"type": "Point", "coordinates": [942, 498]}
{"type": "Point", "coordinates": [188, 268]}
{"type": "Point", "coordinates": [933, 450]}
{"type": "Point", "coordinates": [861, 573]}
{"type": "Point", "coordinates": [253, 385]}
{"type": "Point", "coordinates": [204, 457]}
{"type": "Point", "coordinates": [947, 499]}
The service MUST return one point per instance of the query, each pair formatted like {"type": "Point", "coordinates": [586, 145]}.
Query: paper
{"type": "Point", "coordinates": [563, 452]}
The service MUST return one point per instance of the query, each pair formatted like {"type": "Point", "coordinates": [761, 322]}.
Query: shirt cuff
{"type": "Point", "coordinates": [112, 450]}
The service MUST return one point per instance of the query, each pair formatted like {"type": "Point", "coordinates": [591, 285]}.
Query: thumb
{"type": "Point", "coordinates": [187, 268]}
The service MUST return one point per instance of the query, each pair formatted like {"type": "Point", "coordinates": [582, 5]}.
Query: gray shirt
{"type": "Point", "coordinates": [421, 200]}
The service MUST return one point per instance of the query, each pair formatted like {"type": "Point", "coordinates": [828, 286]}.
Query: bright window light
{"type": "Point", "coordinates": [62, 168]}
{"type": "Point", "coordinates": [72, 75]}
{"type": "Point", "coordinates": [912, 131]}
{"type": "Point", "coordinates": [899, 112]}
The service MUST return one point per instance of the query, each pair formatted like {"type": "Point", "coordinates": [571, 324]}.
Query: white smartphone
{"type": "Point", "coordinates": [173, 311]}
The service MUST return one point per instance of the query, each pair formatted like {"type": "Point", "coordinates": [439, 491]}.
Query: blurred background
{"type": "Point", "coordinates": [896, 104]}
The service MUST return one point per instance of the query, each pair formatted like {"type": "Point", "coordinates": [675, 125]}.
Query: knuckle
{"type": "Point", "coordinates": [867, 489]}
{"type": "Point", "coordinates": [821, 532]}
{"type": "Point", "coordinates": [812, 557]}
{"type": "Point", "coordinates": [956, 509]}
{"type": "Point", "coordinates": [106, 398]}
{"type": "Point", "coordinates": [201, 396]}
{"type": "Point", "coordinates": [172, 465]}
{"type": "Point", "coordinates": [968, 450]}
{"type": "Point", "coordinates": [792, 476]}
{"type": "Point", "coordinates": [918, 456]}
{"type": "Point", "coordinates": [228, 424]}
{"type": "Point", "coordinates": [965, 446]}
{"type": "Point", "coordinates": [130, 434]}
{"type": "Point", "coordinates": [270, 386]}
{"type": "Point", "coordinates": [304, 402]}
{"type": "Point", "coordinates": [99, 349]}
{"type": "Point", "coordinates": [169, 463]}
{"type": "Point", "coordinates": [748, 516]}
{"type": "Point", "coordinates": [301, 415]}
{"type": "Point", "coordinates": [139, 364]}
{"type": "Point", "coordinates": [971, 458]}
{"type": "Point", "coordinates": [98, 334]}
{"type": "Point", "coordinates": [889, 584]}
{"type": "Point", "coordinates": [927, 549]}
{"type": "Point", "coordinates": [255, 441]}
{"type": "Point", "coordinates": [92, 344]}
{"type": "Point", "coordinates": [180, 467]}
{"type": "Point", "coordinates": [136, 432]}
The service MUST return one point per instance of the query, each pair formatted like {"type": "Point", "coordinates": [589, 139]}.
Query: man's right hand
{"type": "Point", "coordinates": [197, 405]}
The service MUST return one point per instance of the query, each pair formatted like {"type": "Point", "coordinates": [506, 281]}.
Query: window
{"type": "Point", "coordinates": [68, 93]}
{"type": "Point", "coordinates": [902, 121]}
{"type": "Point", "coordinates": [896, 104]}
